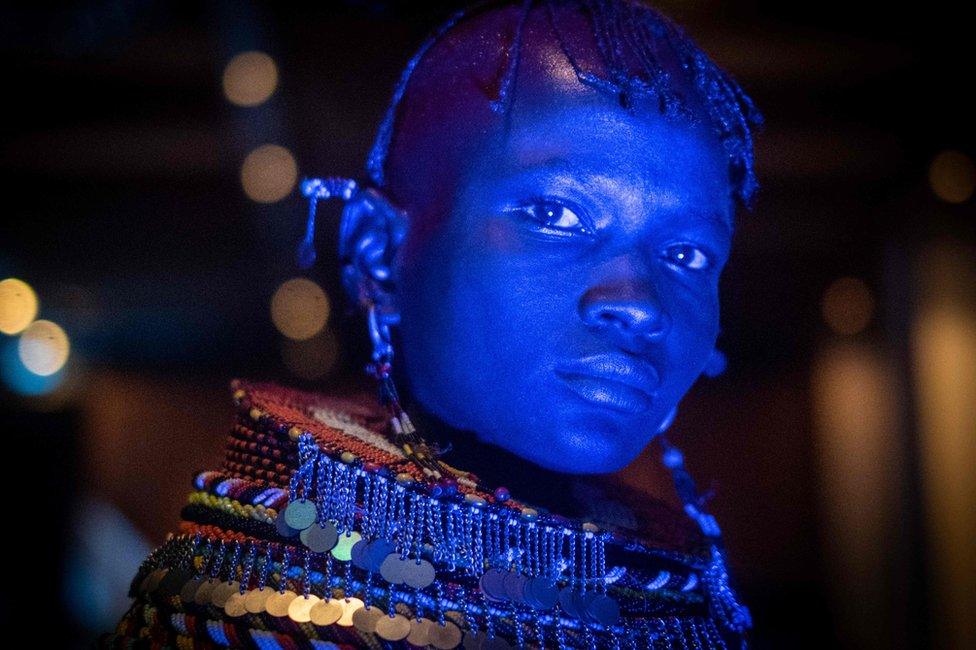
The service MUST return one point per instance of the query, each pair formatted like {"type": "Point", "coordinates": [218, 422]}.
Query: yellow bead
{"type": "Point", "coordinates": [256, 413]}
{"type": "Point", "coordinates": [294, 433]}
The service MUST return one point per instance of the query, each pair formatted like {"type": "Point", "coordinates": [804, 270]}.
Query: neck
{"type": "Point", "coordinates": [589, 497]}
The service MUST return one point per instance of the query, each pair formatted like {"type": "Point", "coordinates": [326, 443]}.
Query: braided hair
{"type": "Point", "coordinates": [632, 39]}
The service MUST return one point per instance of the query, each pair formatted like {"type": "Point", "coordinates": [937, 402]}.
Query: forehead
{"type": "Point", "coordinates": [584, 138]}
{"type": "Point", "coordinates": [447, 136]}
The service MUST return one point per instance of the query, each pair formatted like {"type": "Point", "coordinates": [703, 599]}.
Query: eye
{"type": "Point", "coordinates": [687, 256]}
{"type": "Point", "coordinates": [555, 216]}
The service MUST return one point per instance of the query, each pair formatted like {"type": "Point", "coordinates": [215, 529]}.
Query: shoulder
{"type": "Point", "coordinates": [269, 419]}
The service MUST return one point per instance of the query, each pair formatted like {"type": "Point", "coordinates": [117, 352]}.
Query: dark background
{"type": "Point", "coordinates": [840, 461]}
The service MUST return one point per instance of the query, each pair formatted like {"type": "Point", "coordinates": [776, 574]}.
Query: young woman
{"type": "Point", "coordinates": [537, 247]}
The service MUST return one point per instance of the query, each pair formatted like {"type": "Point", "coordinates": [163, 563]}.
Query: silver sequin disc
{"type": "Point", "coordinates": [417, 575]}
{"type": "Point", "coordinates": [326, 612]}
{"type": "Point", "coordinates": [364, 619]}
{"type": "Point", "coordinates": [299, 610]}
{"type": "Point", "coordinates": [277, 604]}
{"type": "Point", "coordinates": [320, 539]}
{"type": "Point", "coordinates": [256, 599]}
{"type": "Point", "coordinates": [392, 569]}
{"type": "Point", "coordinates": [393, 628]}
{"type": "Point", "coordinates": [444, 637]}
{"type": "Point", "coordinates": [419, 632]}
{"type": "Point", "coordinates": [234, 606]}
{"type": "Point", "coordinates": [300, 514]}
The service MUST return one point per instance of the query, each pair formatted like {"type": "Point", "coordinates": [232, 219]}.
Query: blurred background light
{"type": "Point", "coordinates": [21, 380]}
{"type": "Point", "coordinates": [299, 309]}
{"type": "Point", "coordinates": [269, 173]}
{"type": "Point", "coordinates": [250, 78]}
{"type": "Point", "coordinates": [952, 176]}
{"type": "Point", "coordinates": [43, 347]}
{"type": "Point", "coordinates": [312, 358]}
{"type": "Point", "coordinates": [18, 305]}
{"type": "Point", "coordinates": [847, 305]}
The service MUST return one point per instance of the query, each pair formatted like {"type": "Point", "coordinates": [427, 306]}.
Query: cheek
{"type": "Point", "coordinates": [695, 323]}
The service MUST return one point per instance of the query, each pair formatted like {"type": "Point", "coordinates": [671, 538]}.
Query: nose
{"type": "Point", "coordinates": [632, 316]}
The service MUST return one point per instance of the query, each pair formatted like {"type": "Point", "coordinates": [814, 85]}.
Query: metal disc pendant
{"type": "Point", "coordinates": [152, 580]}
{"type": "Point", "coordinates": [299, 610]}
{"type": "Point", "coordinates": [364, 619]}
{"type": "Point", "coordinates": [223, 591]}
{"type": "Point", "coordinates": [417, 575]}
{"type": "Point", "coordinates": [604, 610]}
{"type": "Point", "coordinates": [300, 514]}
{"type": "Point", "coordinates": [190, 589]}
{"type": "Point", "coordinates": [172, 583]}
{"type": "Point", "coordinates": [283, 528]}
{"type": "Point", "coordinates": [444, 637]}
{"type": "Point", "coordinates": [492, 583]}
{"type": "Point", "coordinates": [543, 592]}
{"type": "Point", "coordinates": [392, 569]}
{"type": "Point", "coordinates": [202, 597]}
{"type": "Point", "coordinates": [359, 555]}
{"type": "Point", "coordinates": [377, 552]}
{"type": "Point", "coordinates": [278, 603]}
{"type": "Point", "coordinates": [514, 586]}
{"type": "Point", "coordinates": [419, 632]}
{"type": "Point", "coordinates": [473, 640]}
{"type": "Point", "coordinates": [349, 607]}
{"type": "Point", "coordinates": [320, 539]}
{"type": "Point", "coordinates": [393, 628]}
{"type": "Point", "coordinates": [583, 602]}
{"type": "Point", "coordinates": [343, 549]}
{"type": "Point", "coordinates": [256, 600]}
{"type": "Point", "coordinates": [496, 643]}
{"type": "Point", "coordinates": [234, 607]}
{"type": "Point", "coordinates": [326, 612]}
{"type": "Point", "coordinates": [568, 601]}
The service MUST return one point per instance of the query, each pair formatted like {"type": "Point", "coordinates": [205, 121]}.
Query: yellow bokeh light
{"type": "Point", "coordinates": [312, 358]}
{"type": "Point", "coordinates": [250, 78]}
{"type": "Point", "coordinates": [299, 309]}
{"type": "Point", "coordinates": [847, 305]}
{"type": "Point", "coordinates": [18, 305]}
{"type": "Point", "coordinates": [952, 176]}
{"type": "Point", "coordinates": [43, 347]}
{"type": "Point", "coordinates": [269, 173]}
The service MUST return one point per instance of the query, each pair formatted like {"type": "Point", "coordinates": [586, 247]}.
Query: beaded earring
{"type": "Point", "coordinates": [405, 433]}
{"type": "Point", "coordinates": [724, 604]}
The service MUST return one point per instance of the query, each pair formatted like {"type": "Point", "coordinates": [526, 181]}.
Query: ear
{"type": "Point", "coordinates": [370, 232]}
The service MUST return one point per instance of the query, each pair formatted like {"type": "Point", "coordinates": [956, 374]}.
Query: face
{"type": "Point", "coordinates": [570, 298]}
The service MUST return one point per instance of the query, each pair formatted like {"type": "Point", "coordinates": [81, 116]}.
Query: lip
{"type": "Point", "coordinates": [620, 383]}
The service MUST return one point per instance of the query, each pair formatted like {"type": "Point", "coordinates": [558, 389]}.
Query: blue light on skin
{"type": "Point", "coordinates": [575, 229]}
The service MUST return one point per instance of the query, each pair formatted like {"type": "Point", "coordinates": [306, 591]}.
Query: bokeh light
{"type": "Point", "coordinates": [847, 305]}
{"type": "Point", "coordinates": [299, 309]}
{"type": "Point", "coordinates": [269, 173]}
{"type": "Point", "coordinates": [18, 305]}
{"type": "Point", "coordinates": [21, 380]}
{"type": "Point", "coordinates": [43, 347]}
{"type": "Point", "coordinates": [952, 176]}
{"type": "Point", "coordinates": [312, 358]}
{"type": "Point", "coordinates": [250, 78]}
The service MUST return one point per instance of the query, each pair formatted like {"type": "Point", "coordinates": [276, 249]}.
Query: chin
{"type": "Point", "coordinates": [581, 452]}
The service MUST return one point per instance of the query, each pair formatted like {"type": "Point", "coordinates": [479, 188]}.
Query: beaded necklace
{"type": "Point", "coordinates": [317, 520]}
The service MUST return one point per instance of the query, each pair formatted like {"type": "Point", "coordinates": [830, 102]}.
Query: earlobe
{"type": "Point", "coordinates": [370, 232]}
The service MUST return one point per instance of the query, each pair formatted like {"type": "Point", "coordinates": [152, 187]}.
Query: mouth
{"type": "Point", "coordinates": [612, 381]}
